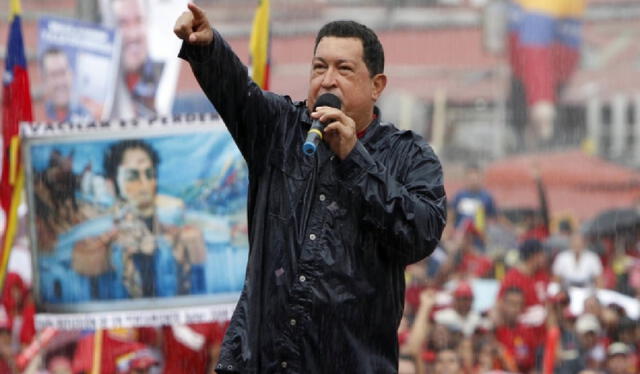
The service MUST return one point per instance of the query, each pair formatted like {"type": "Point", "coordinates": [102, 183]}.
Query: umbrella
{"type": "Point", "coordinates": [613, 221]}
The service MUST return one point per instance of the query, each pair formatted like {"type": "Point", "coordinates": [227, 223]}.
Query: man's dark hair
{"type": "Point", "coordinates": [529, 248]}
{"type": "Point", "coordinates": [565, 226]}
{"type": "Point", "coordinates": [473, 166]}
{"type": "Point", "coordinates": [115, 153]}
{"type": "Point", "coordinates": [373, 54]}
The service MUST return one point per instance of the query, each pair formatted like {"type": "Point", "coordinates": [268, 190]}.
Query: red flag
{"type": "Point", "coordinates": [16, 107]}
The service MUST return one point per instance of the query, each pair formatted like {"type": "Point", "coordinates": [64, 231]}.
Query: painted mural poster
{"type": "Point", "coordinates": [136, 215]}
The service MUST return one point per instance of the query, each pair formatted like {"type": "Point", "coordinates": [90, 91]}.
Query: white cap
{"type": "Point", "coordinates": [586, 323]}
{"type": "Point", "coordinates": [449, 318]}
{"type": "Point", "coordinates": [618, 348]}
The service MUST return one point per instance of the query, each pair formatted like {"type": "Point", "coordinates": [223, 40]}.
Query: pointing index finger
{"type": "Point", "coordinates": [198, 14]}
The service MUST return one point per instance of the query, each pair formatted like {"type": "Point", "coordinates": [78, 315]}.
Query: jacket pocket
{"type": "Point", "coordinates": [290, 178]}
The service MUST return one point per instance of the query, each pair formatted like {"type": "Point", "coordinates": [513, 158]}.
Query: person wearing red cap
{"type": "Point", "coordinates": [460, 311]}
{"type": "Point", "coordinates": [19, 308]}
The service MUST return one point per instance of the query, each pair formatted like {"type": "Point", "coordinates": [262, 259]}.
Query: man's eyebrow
{"type": "Point", "coordinates": [339, 61]}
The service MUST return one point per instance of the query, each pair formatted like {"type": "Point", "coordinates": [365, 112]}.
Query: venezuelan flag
{"type": "Point", "coordinates": [544, 41]}
{"type": "Point", "coordinates": [259, 45]}
{"type": "Point", "coordinates": [16, 107]}
{"type": "Point", "coordinates": [566, 51]}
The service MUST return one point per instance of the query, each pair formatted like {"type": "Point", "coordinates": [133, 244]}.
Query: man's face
{"type": "Point", "coordinates": [447, 362]}
{"type": "Point", "coordinates": [131, 23]}
{"type": "Point", "coordinates": [338, 68]}
{"type": "Point", "coordinates": [577, 242]}
{"type": "Point", "coordinates": [137, 180]}
{"type": "Point", "coordinates": [588, 339]}
{"type": "Point", "coordinates": [618, 364]}
{"type": "Point", "coordinates": [474, 180]}
{"type": "Point", "coordinates": [512, 306]}
{"type": "Point", "coordinates": [57, 79]}
{"type": "Point", "coordinates": [539, 261]}
{"type": "Point", "coordinates": [462, 304]}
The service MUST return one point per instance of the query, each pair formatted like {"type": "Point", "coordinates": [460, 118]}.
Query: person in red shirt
{"type": "Point", "coordinates": [519, 341]}
{"type": "Point", "coordinates": [192, 348]}
{"type": "Point", "coordinates": [20, 309]}
{"type": "Point", "coordinates": [465, 260]}
{"type": "Point", "coordinates": [531, 275]}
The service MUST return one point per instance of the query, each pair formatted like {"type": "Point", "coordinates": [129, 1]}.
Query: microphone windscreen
{"type": "Point", "coordinates": [330, 100]}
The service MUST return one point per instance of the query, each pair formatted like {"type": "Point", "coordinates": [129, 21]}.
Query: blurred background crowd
{"type": "Point", "coordinates": [534, 109]}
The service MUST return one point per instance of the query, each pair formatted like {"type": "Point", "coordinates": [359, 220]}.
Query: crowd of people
{"type": "Point", "coordinates": [526, 322]}
{"type": "Point", "coordinates": [192, 348]}
{"type": "Point", "coordinates": [546, 314]}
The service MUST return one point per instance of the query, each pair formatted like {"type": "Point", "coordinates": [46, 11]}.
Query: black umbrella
{"type": "Point", "coordinates": [613, 221]}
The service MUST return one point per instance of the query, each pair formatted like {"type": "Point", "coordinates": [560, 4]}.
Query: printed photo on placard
{"type": "Point", "coordinates": [149, 68]}
{"type": "Point", "coordinates": [79, 64]}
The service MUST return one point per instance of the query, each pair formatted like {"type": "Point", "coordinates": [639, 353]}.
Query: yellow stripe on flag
{"type": "Point", "coordinates": [13, 159]}
{"type": "Point", "coordinates": [555, 8]}
{"type": "Point", "coordinates": [14, 8]}
{"type": "Point", "coordinates": [11, 225]}
{"type": "Point", "coordinates": [259, 44]}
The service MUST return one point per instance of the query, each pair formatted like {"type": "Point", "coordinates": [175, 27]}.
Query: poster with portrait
{"type": "Point", "coordinates": [149, 66]}
{"type": "Point", "coordinates": [79, 64]}
{"type": "Point", "coordinates": [142, 215]}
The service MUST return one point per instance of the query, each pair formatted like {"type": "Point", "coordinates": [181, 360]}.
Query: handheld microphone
{"type": "Point", "coordinates": [314, 136]}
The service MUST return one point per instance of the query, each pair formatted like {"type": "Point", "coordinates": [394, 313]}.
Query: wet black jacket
{"type": "Point", "coordinates": [329, 239]}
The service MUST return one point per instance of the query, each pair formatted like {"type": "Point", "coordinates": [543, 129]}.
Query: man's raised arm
{"type": "Point", "coordinates": [248, 112]}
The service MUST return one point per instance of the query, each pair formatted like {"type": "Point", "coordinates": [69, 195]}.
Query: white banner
{"type": "Point", "coordinates": [138, 318]}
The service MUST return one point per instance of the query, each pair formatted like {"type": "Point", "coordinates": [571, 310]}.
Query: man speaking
{"type": "Point", "coordinates": [331, 231]}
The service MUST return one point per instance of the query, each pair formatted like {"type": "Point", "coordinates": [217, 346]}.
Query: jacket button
{"type": "Point", "coordinates": [292, 322]}
{"type": "Point", "coordinates": [302, 278]}
{"type": "Point", "coordinates": [283, 364]}
{"type": "Point", "coordinates": [312, 236]}
{"type": "Point", "coordinates": [322, 197]}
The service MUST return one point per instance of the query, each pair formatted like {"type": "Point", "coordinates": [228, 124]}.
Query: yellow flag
{"type": "Point", "coordinates": [259, 45]}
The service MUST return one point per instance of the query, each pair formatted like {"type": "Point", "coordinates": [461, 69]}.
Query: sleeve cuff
{"type": "Point", "coordinates": [199, 53]}
{"type": "Point", "coordinates": [356, 164]}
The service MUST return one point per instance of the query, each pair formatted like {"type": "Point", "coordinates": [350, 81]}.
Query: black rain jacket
{"type": "Point", "coordinates": [329, 239]}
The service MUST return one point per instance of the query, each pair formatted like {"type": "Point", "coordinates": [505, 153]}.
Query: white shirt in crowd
{"type": "Point", "coordinates": [582, 271]}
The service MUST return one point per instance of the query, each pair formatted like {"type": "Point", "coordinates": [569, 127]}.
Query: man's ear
{"type": "Point", "coordinates": [378, 83]}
